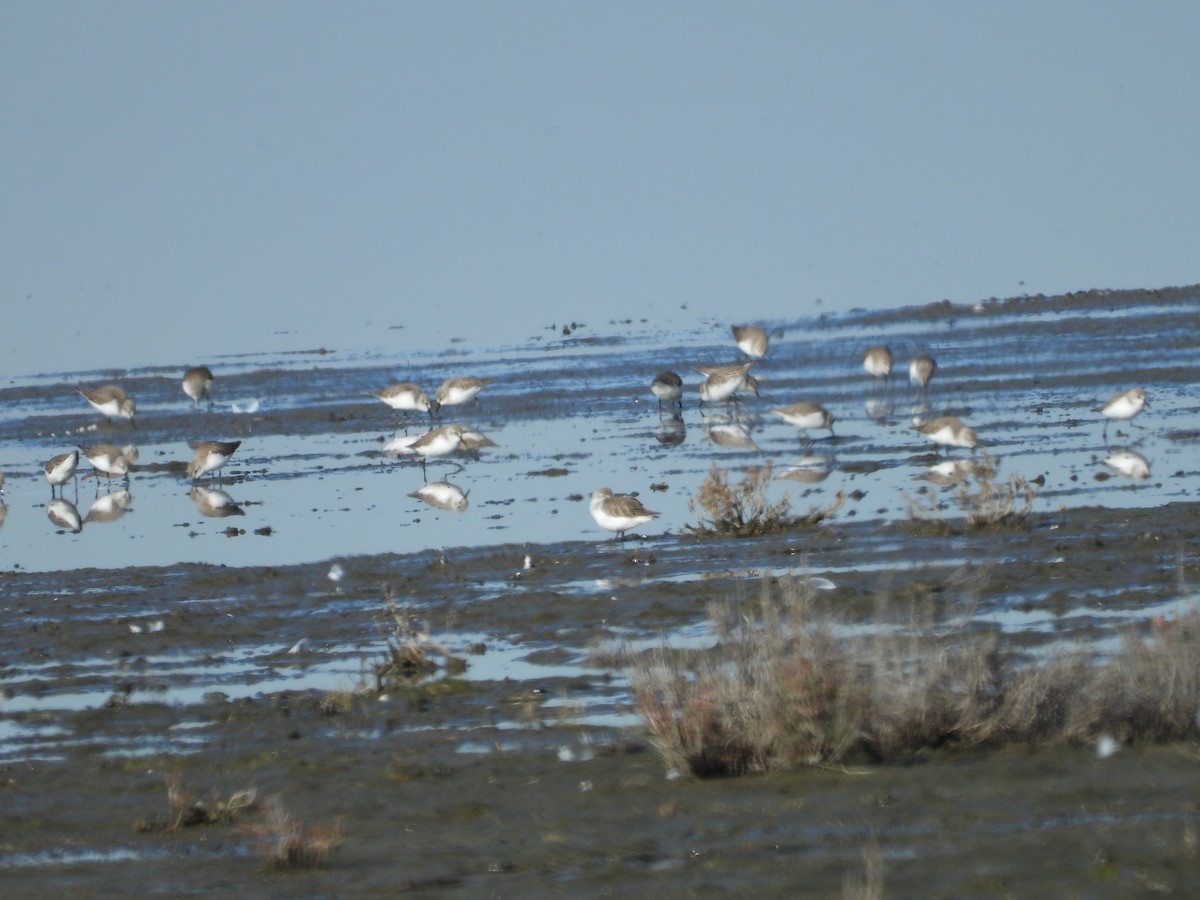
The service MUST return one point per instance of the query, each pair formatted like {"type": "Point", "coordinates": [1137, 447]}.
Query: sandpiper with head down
{"type": "Point", "coordinates": [722, 382]}
{"type": "Point", "coordinates": [405, 397]}
{"type": "Point", "coordinates": [947, 431]}
{"type": "Point", "coordinates": [751, 340]}
{"type": "Point", "coordinates": [196, 382]}
{"type": "Point", "coordinates": [210, 456]}
{"type": "Point", "coordinates": [618, 512]}
{"type": "Point", "coordinates": [457, 391]}
{"type": "Point", "coordinates": [921, 369]}
{"type": "Point", "coordinates": [439, 442]}
{"type": "Point", "coordinates": [110, 400]}
{"type": "Point", "coordinates": [667, 386]}
{"type": "Point", "coordinates": [110, 460]}
{"type": "Point", "coordinates": [806, 415]}
{"type": "Point", "coordinates": [61, 469]}
{"type": "Point", "coordinates": [878, 361]}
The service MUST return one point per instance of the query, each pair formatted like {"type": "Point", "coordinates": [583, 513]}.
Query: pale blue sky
{"type": "Point", "coordinates": [184, 180]}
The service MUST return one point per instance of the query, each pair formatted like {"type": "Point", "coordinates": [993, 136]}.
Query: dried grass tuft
{"type": "Point", "coordinates": [987, 502]}
{"type": "Point", "coordinates": [285, 843]}
{"type": "Point", "coordinates": [409, 652]}
{"type": "Point", "coordinates": [782, 691]}
{"type": "Point", "coordinates": [743, 510]}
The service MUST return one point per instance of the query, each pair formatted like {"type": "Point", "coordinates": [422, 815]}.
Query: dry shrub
{"type": "Point", "coordinates": [743, 510]}
{"type": "Point", "coordinates": [991, 503]}
{"type": "Point", "coordinates": [781, 691]}
{"type": "Point", "coordinates": [188, 810]}
{"type": "Point", "coordinates": [409, 652]}
{"type": "Point", "coordinates": [987, 502]}
{"type": "Point", "coordinates": [285, 843]}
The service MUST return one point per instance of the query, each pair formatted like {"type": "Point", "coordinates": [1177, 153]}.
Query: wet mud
{"type": "Point", "coordinates": [156, 647]}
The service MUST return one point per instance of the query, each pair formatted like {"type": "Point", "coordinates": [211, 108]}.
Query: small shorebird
{"type": "Point", "coordinates": [210, 456]}
{"type": "Point", "coordinates": [110, 460]}
{"type": "Point", "coordinates": [440, 441]}
{"type": "Point", "coordinates": [947, 431]}
{"type": "Point", "coordinates": [806, 415]}
{"type": "Point", "coordinates": [442, 495]}
{"type": "Point", "coordinates": [721, 382]}
{"type": "Point", "coordinates": [878, 361]}
{"type": "Point", "coordinates": [618, 512]}
{"type": "Point", "coordinates": [110, 401]}
{"type": "Point", "coordinates": [667, 386]}
{"type": "Point", "coordinates": [1124, 406]}
{"type": "Point", "coordinates": [457, 391]}
{"type": "Point", "coordinates": [61, 469]}
{"type": "Point", "coordinates": [405, 396]}
{"type": "Point", "coordinates": [921, 369]}
{"type": "Point", "coordinates": [750, 339]}
{"type": "Point", "coordinates": [196, 382]}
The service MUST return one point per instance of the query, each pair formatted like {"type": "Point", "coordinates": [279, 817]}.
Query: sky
{"type": "Point", "coordinates": [184, 181]}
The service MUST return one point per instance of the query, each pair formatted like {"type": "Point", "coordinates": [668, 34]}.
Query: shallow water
{"type": "Point", "coordinates": [573, 414]}
{"type": "Point", "coordinates": [183, 616]}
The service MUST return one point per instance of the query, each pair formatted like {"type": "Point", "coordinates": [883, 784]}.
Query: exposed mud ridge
{"type": "Point", "coordinates": [159, 649]}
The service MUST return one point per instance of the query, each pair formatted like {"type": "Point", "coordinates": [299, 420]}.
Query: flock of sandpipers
{"type": "Point", "coordinates": [111, 461]}
{"type": "Point", "coordinates": [621, 512]}
{"type": "Point", "coordinates": [614, 512]}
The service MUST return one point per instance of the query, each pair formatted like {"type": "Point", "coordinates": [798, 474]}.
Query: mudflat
{"type": "Point", "coordinates": [517, 764]}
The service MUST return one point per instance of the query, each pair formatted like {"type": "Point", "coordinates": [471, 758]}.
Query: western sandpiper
{"type": "Point", "coordinates": [1124, 406]}
{"type": "Point", "coordinates": [64, 514]}
{"type": "Point", "coordinates": [722, 382]}
{"type": "Point", "coordinates": [214, 502]}
{"type": "Point", "coordinates": [439, 442]}
{"type": "Point", "coordinates": [110, 400]}
{"type": "Point", "coordinates": [618, 512]}
{"type": "Point", "coordinates": [806, 415]}
{"type": "Point", "coordinates": [61, 469]}
{"type": "Point", "coordinates": [947, 431]}
{"type": "Point", "coordinates": [405, 396]}
{"type": "Point", "coordinates": [878, 361]}
{"type": "Point", "coordinates": [921, 369]}
{"type": "Point", "coordinates": [110, 460]}
{"type": "Point", "coordinates": [457, 391]}
{"type": "Point", "coordinates": [210, 456]}
{"type": "Point", "coordinates": [196, 382]}
{"type": "Point", "coordinates": [750, 339]}
{"type": "Point", "coordinates": [442, 495]}
{"type": "Point", "coordinates": [667, 386]}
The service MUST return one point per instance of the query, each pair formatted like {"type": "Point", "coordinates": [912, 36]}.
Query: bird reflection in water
{"type": "Point", "coordinates": [110, 507]}
{"type": "Point", "coordinates": [64, 515]}
{"type": "Point", "coordinates": [670, 431]}
{"type": "Point", "coordinates": [809, 469]}
{"type": "Point", "coordinates": [442, 495]}
{"type": "Point", "coordinates": [214, 502]}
